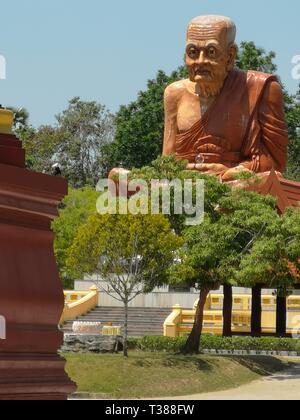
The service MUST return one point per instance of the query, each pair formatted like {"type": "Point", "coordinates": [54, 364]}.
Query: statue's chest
{"type": "Point", "coordinates": [190, 110]}
{"type": "Point", "coordinates": [228, 121]}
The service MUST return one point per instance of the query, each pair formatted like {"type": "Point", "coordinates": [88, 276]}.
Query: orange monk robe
{"type": "Point", "coordinates": [245, 125]}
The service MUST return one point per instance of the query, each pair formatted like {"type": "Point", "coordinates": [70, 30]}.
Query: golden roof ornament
{"type": "Point", "coordinates": [6, 120]}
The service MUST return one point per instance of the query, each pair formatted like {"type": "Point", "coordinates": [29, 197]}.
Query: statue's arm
{"type": "Point", "coordinates": [272, 150]}
{"type": "Point", "coordinates": [170, 104]}
{"type": "Point", "coordinates": [274, 129]}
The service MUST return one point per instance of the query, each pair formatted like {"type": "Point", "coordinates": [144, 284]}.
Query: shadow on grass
{"type": "Point", "coordinates": [263, 365]}
{"type": "Point", "coordinates": [177, 361]}
{"type": "Point", "coordinates": [260, 365]}
{"type": "Point", "coordinates": [190, 361]}
{"type": "Point", "coordinates": [292, 373]}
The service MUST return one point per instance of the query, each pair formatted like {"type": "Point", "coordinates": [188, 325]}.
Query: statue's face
{"type": "Point", "coordinates": [207, 59]}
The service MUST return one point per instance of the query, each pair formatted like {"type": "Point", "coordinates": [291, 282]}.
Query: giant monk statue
{"type": "Point", "coordinates": [224, 121]}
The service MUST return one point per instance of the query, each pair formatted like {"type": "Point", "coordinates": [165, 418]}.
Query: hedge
{"type": "Point", "coordinates": [214, 342]}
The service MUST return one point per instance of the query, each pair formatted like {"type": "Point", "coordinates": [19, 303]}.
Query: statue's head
{"type": "Point", "coordinates": [211, 52]}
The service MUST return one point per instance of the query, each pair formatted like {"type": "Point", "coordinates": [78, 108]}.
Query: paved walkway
{"type": "Point", "coordinates": [282, 386]}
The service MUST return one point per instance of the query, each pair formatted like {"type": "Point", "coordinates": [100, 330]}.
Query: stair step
{"type": "Point", "coordinates": [120, 319]}
{"type": "Point", "coordinates": [141, 321]}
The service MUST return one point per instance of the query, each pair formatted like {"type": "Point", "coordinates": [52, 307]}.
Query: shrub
{"type": "Point", "coordinates": [214, 342]}
{"type": "Point", "coordinates": [134, 343]}
{"type": "Point", "coordinates": [157, 344]}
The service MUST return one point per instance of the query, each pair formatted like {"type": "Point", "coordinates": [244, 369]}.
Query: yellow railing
{"type": "Point", "coordinates": [79, 303]}
{"type": "Point", "coordinates": [180, 321]}
{"type": "Point", "coordinates": [108, 330]}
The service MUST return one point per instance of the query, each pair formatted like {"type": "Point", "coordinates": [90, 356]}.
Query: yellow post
{"type": "Point", "coordinates": [246, 303]}
{"type": "Point", "coordinates": [84, 302]}
{"type": "Point", "coordinates": [171, 323]}
{"type": "Point", "coordinates": [96, 291]}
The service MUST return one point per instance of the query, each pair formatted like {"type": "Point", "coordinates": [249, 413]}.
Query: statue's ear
{"type": "Point", "coordinates": [232, 55]}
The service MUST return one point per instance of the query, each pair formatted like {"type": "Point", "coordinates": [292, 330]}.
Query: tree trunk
{"type": "Point", "coordinates": [227, 311]}
{"type": "Point", "coordinates": [193, 343]}
{"type": "Point", "coordinates": [125, 339]}
{"type": "Point", "coordinates": [281, 316]}
{"type": "Point", "coordinates": [256, 314]}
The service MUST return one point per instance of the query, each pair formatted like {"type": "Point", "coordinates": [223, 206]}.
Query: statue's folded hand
{"type": "Point", "coordinates": [120, 178]}
{"type": "Point", "coordinates": [227, 174]}
{"type": "Point", "coordinates": [117, 173]}
{"type": "Point", "coordinates": [233, 173]}
{"type": "Point", "coordinates": [208, 168]}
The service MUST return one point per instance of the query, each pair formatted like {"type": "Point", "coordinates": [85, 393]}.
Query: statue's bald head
{"type": "Point", "coordinates": [208, 27]}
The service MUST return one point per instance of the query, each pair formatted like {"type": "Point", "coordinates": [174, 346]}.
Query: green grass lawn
{"type": "Point", "coordinates": [154, 375]}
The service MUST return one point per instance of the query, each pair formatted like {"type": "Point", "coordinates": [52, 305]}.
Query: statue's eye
{"type": "Point", "coordinates": [193, 52]}
{"type": "Point", "coordinates": [211, 52]}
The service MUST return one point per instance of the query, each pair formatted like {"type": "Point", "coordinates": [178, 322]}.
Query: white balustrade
{"type": "Point", "coordinates": [87, 328]}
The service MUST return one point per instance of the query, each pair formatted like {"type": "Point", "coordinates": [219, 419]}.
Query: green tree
{"type": "Point", "coordinates": [274, 257]}
{"type": "Point", "coordinates": [87, 127]}
{"type": "Point", "coordinates": [206, 263]}
{"type": "Point", "coordinates": [139, 125]}
{"type": "Point", "coordinates": [269, 257]}
{"type": "Point", "coordinates": [76, 143]}
{"type": "Point", "coordinates": [251, 57]}
{"type": "Point", "coordinates": [293, 121]}
{"type": "Point", "coordinates": [41, 147]}
{"type": "Point", "coordinates": [131, 253]}
{"type": "Point", "coordinates": [168, 168]}
{"type": "Point", "coordinates": [74, 212]}
{"type": "Point", "coordinates": [21, 118]}
{"type": "Point", "coordinates": [215, 249]}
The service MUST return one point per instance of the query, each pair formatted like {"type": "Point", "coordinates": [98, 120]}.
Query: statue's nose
{"type": "Point", "coordinates": [201, 58]}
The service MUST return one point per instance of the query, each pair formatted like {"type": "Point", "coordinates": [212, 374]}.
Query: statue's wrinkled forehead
{"type": "Point", "coordinates": [211, 27]}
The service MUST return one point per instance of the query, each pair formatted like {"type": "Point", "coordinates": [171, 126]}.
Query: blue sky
{"type": "Point", "coordinates": [106, 50]}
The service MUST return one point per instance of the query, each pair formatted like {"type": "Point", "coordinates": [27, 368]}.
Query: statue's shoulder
{"type": "Point", "coordinates": [259, 77]}
{"type": "Point", "coordinates": [259, 83]}
{"type": "Point", "coordinates": [173, 95]}
{"type": "Point", "coordinates": [258, 86]}
{"type": "Point", "coordinates": [253, 82]}
{"type": "Point", "coordinates": [176, 89]}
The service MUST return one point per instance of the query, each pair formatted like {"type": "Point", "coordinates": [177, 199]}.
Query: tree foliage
{"type": "Point", "coordinates": [139, 125]}
{"type": "Point", "coordinates": [87, 127]}
{"type": "Point", "coordinates": [74, 212]}
{"type": "Point", "coordinates": [293, 121]}
{"type": "Point", "coordinates": [168, 168]}
{"type": "Point", "coordinates": [274, 257]}
{"type": "Point", "coordinates": [251, 57]}
{"type": "Point", "coordinates": [131, 253]}
{"type": "Point", "coordinates": [76, 143]}
{"type": "Point", "coordinates": [21, 118]}
{"type": "Point", "coordinates": [41, 147]}
{"type": "Point", "coordinates": [215, 250]}
{"type": "Point", "coordinates": [138, 246]}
